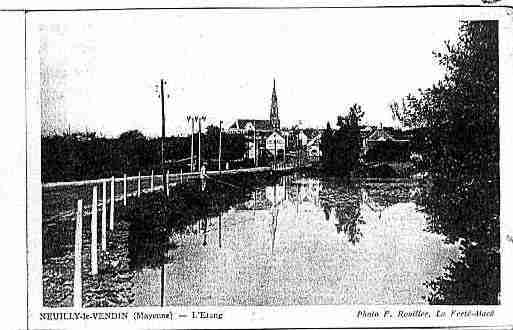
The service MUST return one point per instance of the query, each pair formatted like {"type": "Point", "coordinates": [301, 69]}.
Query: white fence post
{"type": "Point", "coordinates": [94, 233]}
{"type": "Point", "coordinates": [112, 202]}
{"type": "Point", "coordinates": [167, 182]}
{"type": "Point", "coordinates": [151, 184]}
{"type": "Point", "coordinates": [139, 185]}
{"type": "Point", "coordinates": [77, 281]}
{"type": "Point", "coordinates": [181, 175]}
{"type": "Point", "coordinates": [124, 189]}
{"type": "Point", "coordinates": [104, 216]}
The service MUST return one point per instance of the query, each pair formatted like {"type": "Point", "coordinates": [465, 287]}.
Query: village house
{"type": "Point", "coordinates": [384, 144]}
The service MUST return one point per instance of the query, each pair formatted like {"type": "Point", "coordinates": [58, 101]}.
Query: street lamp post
{"type": "Point", "coordinates": [200, 118]}
{"type": "Point", "coordinates": [192, 119]}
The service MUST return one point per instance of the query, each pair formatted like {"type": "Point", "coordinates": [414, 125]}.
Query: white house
{"type": "Point", "coordinates": [313, 146]}
{"type": "Point", "coordinates": [303, 139]}
{"type": "Point", "coordinates": [275, 142]}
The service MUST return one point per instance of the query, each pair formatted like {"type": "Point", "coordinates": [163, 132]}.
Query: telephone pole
{"type": "Point", "coordinates": [162, 102]}
{"type": "Point", "coordinates": [164, 181]}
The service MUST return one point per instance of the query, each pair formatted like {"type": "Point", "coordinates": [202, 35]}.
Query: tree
{"type": "Point", "coordinates": [326, 145]}
{"type": "Point", "coordinates": [461, 111]}
{"type": "Point", "coordinates": [459, 116]}
{"type": "Point", "coordinates": [343, 147]}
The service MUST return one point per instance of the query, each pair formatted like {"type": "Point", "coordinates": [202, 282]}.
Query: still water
{"type": "Point", "coordinates": [305, 240]}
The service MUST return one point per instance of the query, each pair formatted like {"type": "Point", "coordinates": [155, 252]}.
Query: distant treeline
{"type": "Point", "coordinates": [80, 156]}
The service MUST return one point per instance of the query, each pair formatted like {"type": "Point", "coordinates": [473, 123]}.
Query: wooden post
{"type": "Point", "coordinates": [139, 185]}
{"type": "Point", "coordinates": [220, 143]}
{"type": "Point", "coordinates": [77, 281]}
{"type": "Point", "coordinates": [181, 176]}
{"type": "Point", "coordinates": [104, 216]}
{"type": "Point", "coordinates": [124, 189]}
{"type": "Point", "coordinates": [167, 182]}
{"type": "Point", "coordinates": [112, 202]}
{"type": "Point", "coordinates": [94, 233]}
{"type": "Point", "coordinates": [151, 183]}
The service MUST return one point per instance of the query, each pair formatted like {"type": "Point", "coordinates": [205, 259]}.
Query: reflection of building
{"type": "Point", "coordinates": [309, 191]}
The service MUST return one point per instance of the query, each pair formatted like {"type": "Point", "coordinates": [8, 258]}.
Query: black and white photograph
{"type": "Point", "coordinates": [213, 158]}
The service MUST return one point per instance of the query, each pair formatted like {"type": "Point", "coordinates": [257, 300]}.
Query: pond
{"type": "Point", "coordinates": [304, 240]}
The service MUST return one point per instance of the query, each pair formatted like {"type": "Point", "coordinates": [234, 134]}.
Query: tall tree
{"type": "Point", "coordinates": [342, 148]}
{"type": "Point", "coordinates": [460, 118]}
{"type": "Point", "coordinates": [461, 111]}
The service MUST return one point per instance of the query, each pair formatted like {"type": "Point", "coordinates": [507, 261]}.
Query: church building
{"type": "Point", "coordinates": [262, 130]}
{"type": "Point", "coordinates": [262, 126]}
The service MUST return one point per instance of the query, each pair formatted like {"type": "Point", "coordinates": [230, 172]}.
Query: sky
{"type": "Point", "coordinates": [98, 70]}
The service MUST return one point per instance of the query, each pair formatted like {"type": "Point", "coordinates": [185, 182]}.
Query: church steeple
{"type": "Point", "coordinates": [274, 115]}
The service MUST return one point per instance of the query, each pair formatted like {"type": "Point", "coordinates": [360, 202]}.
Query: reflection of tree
{"type": "Point", "coordinates": [327, 210]}
{"type": "Point", "coordinates": [346, 200]}
{"type": "Point", "coordinates": [473, 280]}
{"type": "Point", "coordinates": [349, 218]}
{"type": "Point", "coordinates": [470, 213]}
{"type": "Point", "coordinates": [154, 218]}
{"type": "Point", "coordinates": [274, 226]}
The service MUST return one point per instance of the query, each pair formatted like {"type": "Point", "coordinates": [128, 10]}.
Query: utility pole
{"type": "Point", "coordinates": [162, 102]}
{"type": "Point", "coordinates": [164, 181]}
{"type": "Point", "coordinates": [220, 142]}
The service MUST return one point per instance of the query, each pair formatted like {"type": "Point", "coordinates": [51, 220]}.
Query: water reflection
{"type": "Point", "coordinates": [468, 213]}
{"type": "Point", "coordinates": [302, 240]}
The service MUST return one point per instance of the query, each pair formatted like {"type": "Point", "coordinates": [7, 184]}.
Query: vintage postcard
{"type": "Point", "coordinates": [269, 167]}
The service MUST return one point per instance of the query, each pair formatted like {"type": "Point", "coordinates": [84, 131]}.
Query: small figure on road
{"type": "Point", "coordinates": [203, 171]}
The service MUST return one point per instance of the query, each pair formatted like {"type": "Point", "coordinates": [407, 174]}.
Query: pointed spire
{"type": "Point", "coordinates": [274, 116]}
